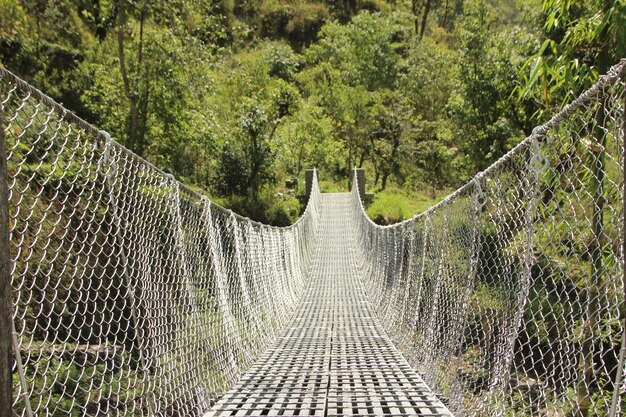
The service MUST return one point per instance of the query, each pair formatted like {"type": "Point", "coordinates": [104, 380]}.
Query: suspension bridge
{"type": "Point", "coordinates": [133, 295]}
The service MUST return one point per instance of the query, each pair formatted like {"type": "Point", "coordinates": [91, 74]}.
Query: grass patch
{"type": "Point", "coordinates": [334, 187]}
{"type": "Point", "coordinates": [394, 205]}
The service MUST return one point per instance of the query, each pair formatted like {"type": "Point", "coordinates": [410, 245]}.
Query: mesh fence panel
{"type": "Point", "coordinates": [132, 294]}
{"type": "Point", "coordinates": [508, 296]}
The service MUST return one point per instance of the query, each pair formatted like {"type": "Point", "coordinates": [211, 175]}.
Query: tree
{"type": "Point", "coordinates": [147, 99]}
{"type": "Point", "coordinates": [386, 137]}
{"type": "Point", "coordinates": [307, 140]}
{"type": "Point", "coordinates": [43, 42]}
{"type": "Point", "coordinates": [134, 141]}
{"type": "Point", "coordinates": [347, 68]}
{"type": "Point", "coordinates": [255, 148]}
{"type": "Point", "coordinates": [429, 84]}
{"type": "Point", "coordinates": [424, 8]}
{"type": "Point", "coordinates": [363, 50]}
{"type": "Point", "coordinates": [485, 114]}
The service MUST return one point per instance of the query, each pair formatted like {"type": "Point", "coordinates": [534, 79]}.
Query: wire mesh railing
{"type": "Point", "coordinates": [132, 295]}
{"type": "Point", "coordinates": [508, 296]}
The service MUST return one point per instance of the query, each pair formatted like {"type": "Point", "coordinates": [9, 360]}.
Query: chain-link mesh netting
{"type": "Point", "coordinates": [508, 296]}
{"type": "Point", "coordinates": [132, 295]}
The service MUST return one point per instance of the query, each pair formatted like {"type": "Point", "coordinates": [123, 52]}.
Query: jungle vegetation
{"type": "Point", "coordinates": [236, 96]}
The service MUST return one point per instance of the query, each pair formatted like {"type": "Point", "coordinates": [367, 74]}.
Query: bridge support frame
{"type": "Point", "coordinates": [308, 182]}
{"type": "Point", "coordinates": [359, 173]}
{"type": "Point", "coordinates": [6, 331]}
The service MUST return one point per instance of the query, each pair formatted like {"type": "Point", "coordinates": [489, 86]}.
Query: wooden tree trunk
{"type": "Point", "coordinates": [425, 18]}
{"type": "Point", "coordinates": [130, 92]}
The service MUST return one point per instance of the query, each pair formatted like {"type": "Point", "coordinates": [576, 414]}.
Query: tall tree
{"type": "Point", "coordinates": [486, 114]}
{"type": "Point", "coordinates": [424, 8]}
{"type": "Point", "coordinates": [386, 136]}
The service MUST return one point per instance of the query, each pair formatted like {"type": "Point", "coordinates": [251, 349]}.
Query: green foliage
{"type": "Point", "coordinates": [73, 381]}
{"type": "Point", "coordinates": [485, 112]}
{"type": "Point", "coordinates": [392, 206]}
{"type": "Point", "coordinates": [279, 209]}
{"type": "Point", "coordinates": [269, 88]}
{"type": "Point", "coordinates": [363, 50]}
{"type": "Point", "coordinates": [306, 140]}
{"type": "Point", "coordinates": [297, 23]}
{"type": "Point", "coordinates": [282, 61]}
{"type": "Point", "coordinates": [580, 40]}
{"type": "Point", "coordinates": [333, 187]}
{"type": "Point", "coordinates": [231, 173]}
{"type": "Point", "coordinates": [428, 83]}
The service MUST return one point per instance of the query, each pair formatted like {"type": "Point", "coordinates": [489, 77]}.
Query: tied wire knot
{"type": "Point", "coordinates": [204, 201]}
{"type": "Point", "coordinates": [479, 196]}
{"type": "Point", "coordinates": [172, 180]}
{"type": "Point", "coordinates": [106, 156]}
{"type": "Point", "coordinates": [539, 162]}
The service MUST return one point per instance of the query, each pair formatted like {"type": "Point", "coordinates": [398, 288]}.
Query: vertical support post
{"type": "Point", "coordinates": [6, 332]}
{"type": "Point", "coordinates": [359, 174]}
{"type": "Point", "coordinates": [308, 180]}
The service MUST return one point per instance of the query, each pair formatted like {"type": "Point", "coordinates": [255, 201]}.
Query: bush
{"type": "Point", "coordinates": [393, 206]}
{"type": "Point", "coordinates": [282, 61]}
{"type": "Point", "coordinates": [283, 211]}
{"type": "Point", "coordinates": [274, 21]}
{"type": "Point", "coordinates": [276, 210]}
{"type": "Point", "coordinates": [389, 208]}
{"type": "Point", "coordinates": [305, 23]}
{"type": "Point", "coordinates": [298, 24]}
{"type": "Point", "coordinates": [230, 177]}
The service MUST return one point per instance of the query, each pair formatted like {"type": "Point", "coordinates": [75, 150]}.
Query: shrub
{"type": "Point", "coordinates": [298, 24]}
{"type": "Point", "coordinates": [305, 23]}
{"type": "Point", "coordinates": [282, 61]}
{"type": "Point", "coordinates": [274, 20]}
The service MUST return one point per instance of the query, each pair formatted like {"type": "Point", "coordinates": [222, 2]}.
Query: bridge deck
{"type": "Point", "coordinates": [334, 358]}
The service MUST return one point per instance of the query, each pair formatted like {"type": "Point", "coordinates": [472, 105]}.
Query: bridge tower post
{"type": "Point", "coordinates": [6, 332]}
{"type": "Point", "coordinates": [359, 174]}
{"type": "Point", "coordinates": [308, 181]}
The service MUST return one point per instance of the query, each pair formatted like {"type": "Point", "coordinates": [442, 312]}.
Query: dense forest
{"type": "Point", "coordinates": [236, 96]}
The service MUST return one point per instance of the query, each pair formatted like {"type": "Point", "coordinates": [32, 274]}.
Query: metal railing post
{"type": "Point", "coordinates": [6, 336]}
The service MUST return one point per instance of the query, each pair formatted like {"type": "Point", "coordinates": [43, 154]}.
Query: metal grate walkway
{"type": "Point", "coordinates": [334, 358]}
